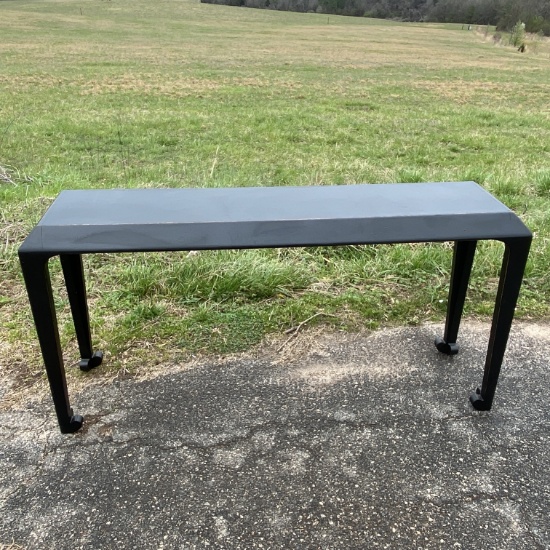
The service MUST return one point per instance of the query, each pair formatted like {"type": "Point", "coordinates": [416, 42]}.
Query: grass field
{"type": "Point", "coordinates": [175, 93]}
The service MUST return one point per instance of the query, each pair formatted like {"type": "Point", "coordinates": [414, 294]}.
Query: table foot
{"type": "Point", "coordinates": [443, 347]}
{"type": "Point", "coordinates": [478, 403]}
{"type": "Point", "coordinates": [91, 363]}
{"type": "Point", "coordinates": [74, 424]}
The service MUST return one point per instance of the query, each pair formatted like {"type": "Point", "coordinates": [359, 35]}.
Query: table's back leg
{"type": "Point", "coordinates": [463, 258]}
{"type": "Point", "coordinates": [511, 275]}
{"type": "Point", "coordinates": [76, 289]}
{"type": "Point", "coordinates": [37, 280]}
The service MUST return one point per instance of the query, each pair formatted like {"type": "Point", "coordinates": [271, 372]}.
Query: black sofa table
{"type": "Point", "coordinates": [130, 220]}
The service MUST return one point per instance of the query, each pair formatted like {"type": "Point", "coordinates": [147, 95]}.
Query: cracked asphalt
{"type": "Point", "coordinates": [362, 441]}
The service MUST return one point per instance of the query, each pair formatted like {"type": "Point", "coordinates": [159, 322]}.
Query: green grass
{"type": "Point", "coordinates": [176, 93]}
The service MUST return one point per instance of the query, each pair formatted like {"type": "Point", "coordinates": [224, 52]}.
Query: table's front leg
{"type": "Point", "coordinates": [511, 275]}
{"type": "Point", "coordinates": [76, 290]}
{"type": "Point", "coordinates": [463, 258]}
{"type": "Point", "coordinates": [39, 288]}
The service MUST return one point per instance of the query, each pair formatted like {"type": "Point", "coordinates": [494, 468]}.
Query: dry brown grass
{"type": "Point", "coordinates": [462, 91]}
{"type": "Point", "coordinates": [240, 39]}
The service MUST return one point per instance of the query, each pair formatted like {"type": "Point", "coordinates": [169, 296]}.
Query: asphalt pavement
{"type": "Point", "coordinates": [352, 441]}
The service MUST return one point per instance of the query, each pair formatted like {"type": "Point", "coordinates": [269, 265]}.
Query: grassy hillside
{"type": "Point", "coordinates": [176, 93]}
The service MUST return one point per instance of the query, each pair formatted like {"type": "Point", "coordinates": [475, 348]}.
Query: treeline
{"type": "Point", "coordinates": [502, 13]}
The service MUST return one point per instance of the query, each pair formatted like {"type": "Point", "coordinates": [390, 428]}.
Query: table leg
{"type": "Point", "coordinates": [76, 289]}
{"type": "Point", "coordinates": [513, 266]}
{"type": "Point", "coordinates": [39, 288]}
{"type": "Point", "coordinates": [463, 258]}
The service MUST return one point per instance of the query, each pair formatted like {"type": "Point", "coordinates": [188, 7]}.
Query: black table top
{"type": "Point", "coordinates": [118, 220]}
